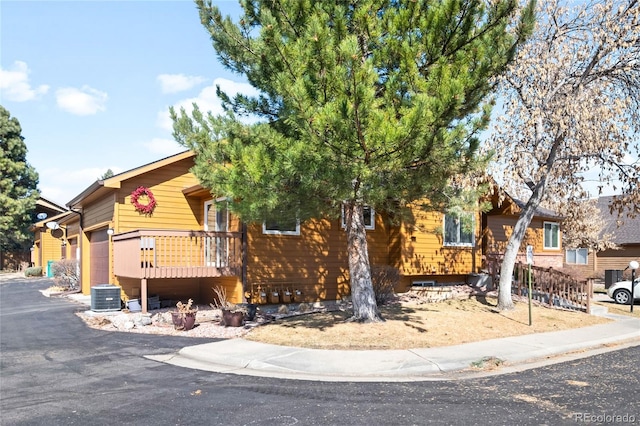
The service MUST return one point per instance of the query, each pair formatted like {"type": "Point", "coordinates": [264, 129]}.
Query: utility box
{"type": "Point", "coordinates": [612, 276]}
{"type": "Point", "coordinates": [105, 297]}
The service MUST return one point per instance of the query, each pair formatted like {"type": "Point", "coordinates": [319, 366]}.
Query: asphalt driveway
{"type": "Point", "coordinates": [56, 371]}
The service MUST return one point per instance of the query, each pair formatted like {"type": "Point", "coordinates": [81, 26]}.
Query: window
{"type": "Point", "coordinates": [369, 217]}
{"type": "Point", "coordinates": [551, 235]}
{"type": "Point", "coordinates": [458, 229]}
{"type": "Point", "coordinates": [577, 256]}
{"type": "Point", "coordinates": [281, 227]}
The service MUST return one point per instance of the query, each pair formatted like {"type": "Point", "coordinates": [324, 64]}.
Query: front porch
{"type": "Point", "coordinates": [154, 254]}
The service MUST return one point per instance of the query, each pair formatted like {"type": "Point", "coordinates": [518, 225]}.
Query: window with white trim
{"type": "Point", "coordinates": [551, 236]}
{"type": "Point", "coordinates": [577, 256]}
{"type": "Point", "coordinates": [458, 229]}
{"type": "Point", "coordinates": [369, 217]}
{"type": "Point", "coordinates": [281, 227]}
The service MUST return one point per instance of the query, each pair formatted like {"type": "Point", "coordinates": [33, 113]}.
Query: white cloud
{"type": "Point", "coordinates": [62, 185]}
{"type": "Point", "coordinates": [84, 101]}
{"type": "Point", "coordinates": [206, 100]}
{"type": "Point", "coordinates": [164, 147]}
{"type": "Point", "coordinates": [15, 86]}
{"type": "Point", "coordinates": [174, 83]}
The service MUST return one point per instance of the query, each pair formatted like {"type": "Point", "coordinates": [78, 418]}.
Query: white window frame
{"type": "Point", "coordinates": [267, 231]}
{"type": "Point", "coordinates": [546, 244]}
{"type": "Point", "coordinates": [446, 243]}
{"type": "Point", "coordinates": [575, 256]}
{"type": "Point", "coordinates": [216, 248]}
{"type": "Point", "coordinates": [372, 218]}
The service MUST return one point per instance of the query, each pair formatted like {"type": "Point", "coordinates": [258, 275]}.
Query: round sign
{"type": "Point", "coordinates": [57, 233]}
{"type": "Point", "coordinates": [41, 216]}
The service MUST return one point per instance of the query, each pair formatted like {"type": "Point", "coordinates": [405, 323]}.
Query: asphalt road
{"type": "Point", "coordinates": [56, 371]}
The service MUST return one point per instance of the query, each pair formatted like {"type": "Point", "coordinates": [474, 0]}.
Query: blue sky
{"type": "Point", "coordinates": [91, 82]}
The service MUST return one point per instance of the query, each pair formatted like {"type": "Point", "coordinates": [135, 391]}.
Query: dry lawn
{"type": "Point", "coordinates": [411, 324]}
{"type": "Point", "coordinates": [617, 309]}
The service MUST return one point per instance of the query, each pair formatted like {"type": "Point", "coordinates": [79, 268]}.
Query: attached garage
{"type": "Point", "coordinates": [99, 257]}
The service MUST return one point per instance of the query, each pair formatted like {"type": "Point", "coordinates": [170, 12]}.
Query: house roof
{"type": "Point", "coordinates": [61, 218]}
{"type": "Point", "coordinates": [625, 230]}
{"type": "Point", "coordinates": [539, 211]}
{"type": "Point", "coordinates": [512, 205]}
{"type": "Point", "coordinates": [47, 204]}
{"type": "Point", "coordinates": [102, 186]}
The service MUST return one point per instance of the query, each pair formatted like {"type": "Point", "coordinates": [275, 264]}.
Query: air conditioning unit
{"type": "Point", "coordinates": [105, 297]}
{"type": "Point", "coordinates": [424, 283]}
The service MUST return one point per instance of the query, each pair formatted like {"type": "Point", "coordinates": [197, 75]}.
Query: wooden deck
{"type": "Point", "coordinates": [147, 254]}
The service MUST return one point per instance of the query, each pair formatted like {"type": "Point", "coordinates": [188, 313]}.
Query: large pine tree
{"type": "Point", "coordinates": [18, 185]}
{"type": "Point", "coordinates": [362, 103]}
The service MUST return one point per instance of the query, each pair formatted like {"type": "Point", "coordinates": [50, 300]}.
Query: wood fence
{"type": "Point", "coordinates": [553, 287]}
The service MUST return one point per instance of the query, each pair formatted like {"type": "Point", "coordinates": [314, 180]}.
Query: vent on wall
{"type": "Point", "coordinates": [424, 283]}
{"type": "Point", "coordinates": [105, 297]}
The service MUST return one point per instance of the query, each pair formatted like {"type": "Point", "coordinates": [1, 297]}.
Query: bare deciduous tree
{"type": "Point", "coordinates": [572, 99]}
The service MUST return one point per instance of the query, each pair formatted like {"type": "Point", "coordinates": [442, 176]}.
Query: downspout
{"type": "Point", "coordinates": [80, 232]}
{"type": "Point", "coordinates": [245, 289]}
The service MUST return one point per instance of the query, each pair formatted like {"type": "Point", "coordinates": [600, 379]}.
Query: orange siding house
{"type": "Point", "coordinates": [190, 243]}
{"type": "Point", "coordinates": [19, 259]}
{"type": "Point", "coordinates": [167, 252]}
{"type": "Point", "coordinates": [51, 245]}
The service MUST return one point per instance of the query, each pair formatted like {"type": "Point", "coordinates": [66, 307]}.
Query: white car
{"type": "Point", "coordinates": [620, 292]}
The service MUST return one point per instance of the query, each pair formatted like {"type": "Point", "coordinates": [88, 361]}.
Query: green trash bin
{"type": "Point", "coordinates": [50, 268]}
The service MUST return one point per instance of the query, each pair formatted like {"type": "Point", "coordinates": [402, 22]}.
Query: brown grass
{"type": "Point", "coordinates": [419, 325]}
{"type": "Point", "coordinates": [617, 309]}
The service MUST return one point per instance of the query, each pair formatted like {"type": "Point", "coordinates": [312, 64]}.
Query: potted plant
{"type": "Point", "coordinates": [232, 314]}
{"type": "Point", "coordinates": [184, 317]}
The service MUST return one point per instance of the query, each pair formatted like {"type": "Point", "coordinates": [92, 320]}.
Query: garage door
{"type": "Point", "coordinates": [99, 271]}
{"type": "Point", "coordinates": [73, 251]}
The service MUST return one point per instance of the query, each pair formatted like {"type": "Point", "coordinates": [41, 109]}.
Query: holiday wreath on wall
{"type": "Point", "coordinates": [147, 208]}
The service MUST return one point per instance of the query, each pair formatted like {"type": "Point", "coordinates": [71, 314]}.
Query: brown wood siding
{"type": "Point", "coordinates": [73, 248]}
{"type": "Point", "coordinates": [314, 261]}
{"type": "Point", "coordinates": [618, 259]}
{"type": "Point", "coordinates": [99, 253]}
{"type": "Point", "coordinates": [98, 212]}
{"type": "Point", "coordinates": [73, 228]}
{"type": "Point", "coordinates": [500, 228]}
{"type": "Point", "coordinates": [173, 209]}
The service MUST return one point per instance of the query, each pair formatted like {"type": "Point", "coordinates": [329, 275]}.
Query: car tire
{"type": "Point", "coordinates": [622, 296]}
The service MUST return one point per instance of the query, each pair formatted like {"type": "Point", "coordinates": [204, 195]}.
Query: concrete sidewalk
{"type": "Point", "coordinates": [239, 356]}
{"type": "Point", "coordinates": [244, 357]}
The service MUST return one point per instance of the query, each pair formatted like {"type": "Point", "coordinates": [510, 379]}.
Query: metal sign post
{"type": "Point", "coordinates": [529, 293]}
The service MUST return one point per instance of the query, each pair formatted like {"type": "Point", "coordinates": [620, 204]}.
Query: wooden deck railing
{"type": "Point", "coordinates": [553, 287]}
{"type": "Point", "coordinates": [177, 254]}
{"type": "Point", "coordinates": [548, 285]}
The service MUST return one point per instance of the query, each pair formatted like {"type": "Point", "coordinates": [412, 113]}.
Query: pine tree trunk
{"type": "Point", "coordinates": [362, 295]}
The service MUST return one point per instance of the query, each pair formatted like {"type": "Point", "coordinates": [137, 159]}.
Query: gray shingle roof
{"type": "Point", "coordinates": [628, 231]}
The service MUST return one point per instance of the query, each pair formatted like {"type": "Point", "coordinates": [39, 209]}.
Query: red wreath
{"type": "Point", "coordinates": [143, 208]}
